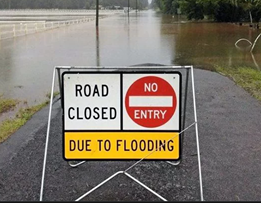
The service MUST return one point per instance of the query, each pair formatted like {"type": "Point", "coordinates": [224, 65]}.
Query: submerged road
{"type": "Point", "coordinates": [230, 137]}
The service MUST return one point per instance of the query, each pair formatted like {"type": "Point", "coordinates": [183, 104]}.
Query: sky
{"type": "Point", "coordinates": [149, 1]}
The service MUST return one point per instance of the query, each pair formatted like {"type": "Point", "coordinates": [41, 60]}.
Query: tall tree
{"type": "Point", "coordinates": [193, 9]}
{"type": "Point", "coordinates": [219, 10]}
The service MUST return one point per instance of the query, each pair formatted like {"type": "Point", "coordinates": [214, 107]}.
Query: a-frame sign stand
{"type": "Point", "coordinates": [137, 110]}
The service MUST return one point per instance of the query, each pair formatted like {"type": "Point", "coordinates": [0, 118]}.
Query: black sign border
{"type": "Point", "coordinates": [121, 116]}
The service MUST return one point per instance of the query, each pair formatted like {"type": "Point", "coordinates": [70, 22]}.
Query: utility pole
{"type": "Point", "coordinates": [97, 13]}
{"type": "Point", "coordinates": [97, 47]}
{"type": "Point", "coordinates": [136, 5]}
{"type": "Point", "coordinates": [128, 8]}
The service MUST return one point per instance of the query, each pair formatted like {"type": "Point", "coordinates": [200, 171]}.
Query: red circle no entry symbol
{"type": "Point", "coordinates": [150, 101]}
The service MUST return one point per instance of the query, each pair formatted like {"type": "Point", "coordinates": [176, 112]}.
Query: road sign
{"type": "Point", "coordinates": [151, 101]}
{"type": "Point", "coordinates": [121, 115]}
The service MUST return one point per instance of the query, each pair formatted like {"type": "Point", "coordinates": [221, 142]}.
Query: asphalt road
{"type": "Point", "coordinates": [230, 140]}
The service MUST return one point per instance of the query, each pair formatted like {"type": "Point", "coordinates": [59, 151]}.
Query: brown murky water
{"type": "Point", "coordinates": [26, 63]}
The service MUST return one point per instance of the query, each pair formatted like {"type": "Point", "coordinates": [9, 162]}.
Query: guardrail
{"type": "Point", "coordinates": [21, 29]}
{"type": "Point", "coordinates": [63, 10]}
{"type": "Point", "coordinates": [55, 11]}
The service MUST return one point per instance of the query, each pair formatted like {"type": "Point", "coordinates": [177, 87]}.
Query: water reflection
{"type": "Point", "coordinates": [97, 47]}
{"type": "Point", "coordinates": [207, 44]}
{"type": "Point", "coordinates": [255, 62]}
{"type": "Point", "coordinates": [6, 64]}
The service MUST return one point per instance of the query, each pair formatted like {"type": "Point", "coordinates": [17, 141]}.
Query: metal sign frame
{"type": "Point", "coordinates": [129, 69]}
{"type": "Point", "coordinates": [121, 127]}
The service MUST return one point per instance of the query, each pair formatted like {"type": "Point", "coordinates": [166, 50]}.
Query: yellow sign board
{"type": "Point", "coordinates": [122, 145]}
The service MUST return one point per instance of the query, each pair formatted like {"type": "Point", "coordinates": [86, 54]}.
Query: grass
{"type": "Point", "coordinates": [48, 95]}
{"type": "Point", "coordinates": [9, 126]}
{"type": "Point", "coordinates": [247, 78]}
{"type": "Point", "coordinates": [7, 104]}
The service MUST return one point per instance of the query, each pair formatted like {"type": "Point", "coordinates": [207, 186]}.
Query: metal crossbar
{"type": "Point", "coordinates": [129, 168]}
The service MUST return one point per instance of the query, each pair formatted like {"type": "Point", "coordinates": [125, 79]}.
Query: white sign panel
{"type": "Point", "coordinates": [121, 101]}
{"type": "Point", "coordinates": [91, 101]}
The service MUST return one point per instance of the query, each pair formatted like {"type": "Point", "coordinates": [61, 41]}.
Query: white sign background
{"type": "Point", "coordinates": [112, 100]}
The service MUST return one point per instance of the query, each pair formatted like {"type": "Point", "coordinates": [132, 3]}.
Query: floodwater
{"type": "Point", "coordinates": [27, 62]}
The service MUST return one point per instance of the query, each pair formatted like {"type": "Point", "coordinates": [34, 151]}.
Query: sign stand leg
{"type": "Point", "coordinates": [196, 130]}
{"type": "Point", "coordinates": [176, 163]}
{"type": "Point", "coordinates": [47, 137]}
{"type": "Point", "coordinates": [184, 109]}
{"type": "Point", "coordinates": [114, 175]}
{"type": "Point", "coordinates": [60, 84]}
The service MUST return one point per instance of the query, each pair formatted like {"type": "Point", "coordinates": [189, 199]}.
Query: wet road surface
{"type": "Point", "coordinates": [229, 131]}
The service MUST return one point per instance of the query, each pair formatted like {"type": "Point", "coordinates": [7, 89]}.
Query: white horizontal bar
{"type": "Point", "coordinates": [150, 101]}
{"type": "Point", "coordinates": [163, 68]}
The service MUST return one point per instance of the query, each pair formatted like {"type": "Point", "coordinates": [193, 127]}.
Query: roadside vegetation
{"type": "Point", "coordinates": [217, 10]}
{"type": "Point", "coordinates": [6, 104]}
{"type": "Point", "coordinates": [247, 78]}
{"type": "Point", "coordinates": [9, 126]}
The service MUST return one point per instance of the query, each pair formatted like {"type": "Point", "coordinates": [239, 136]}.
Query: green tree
{"type": "Point", "coordinates": [219, 10]}
{"type": "Point", "coordinates": [193, 9]}
{"type": "Point", "coordinates": [253, 8]}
